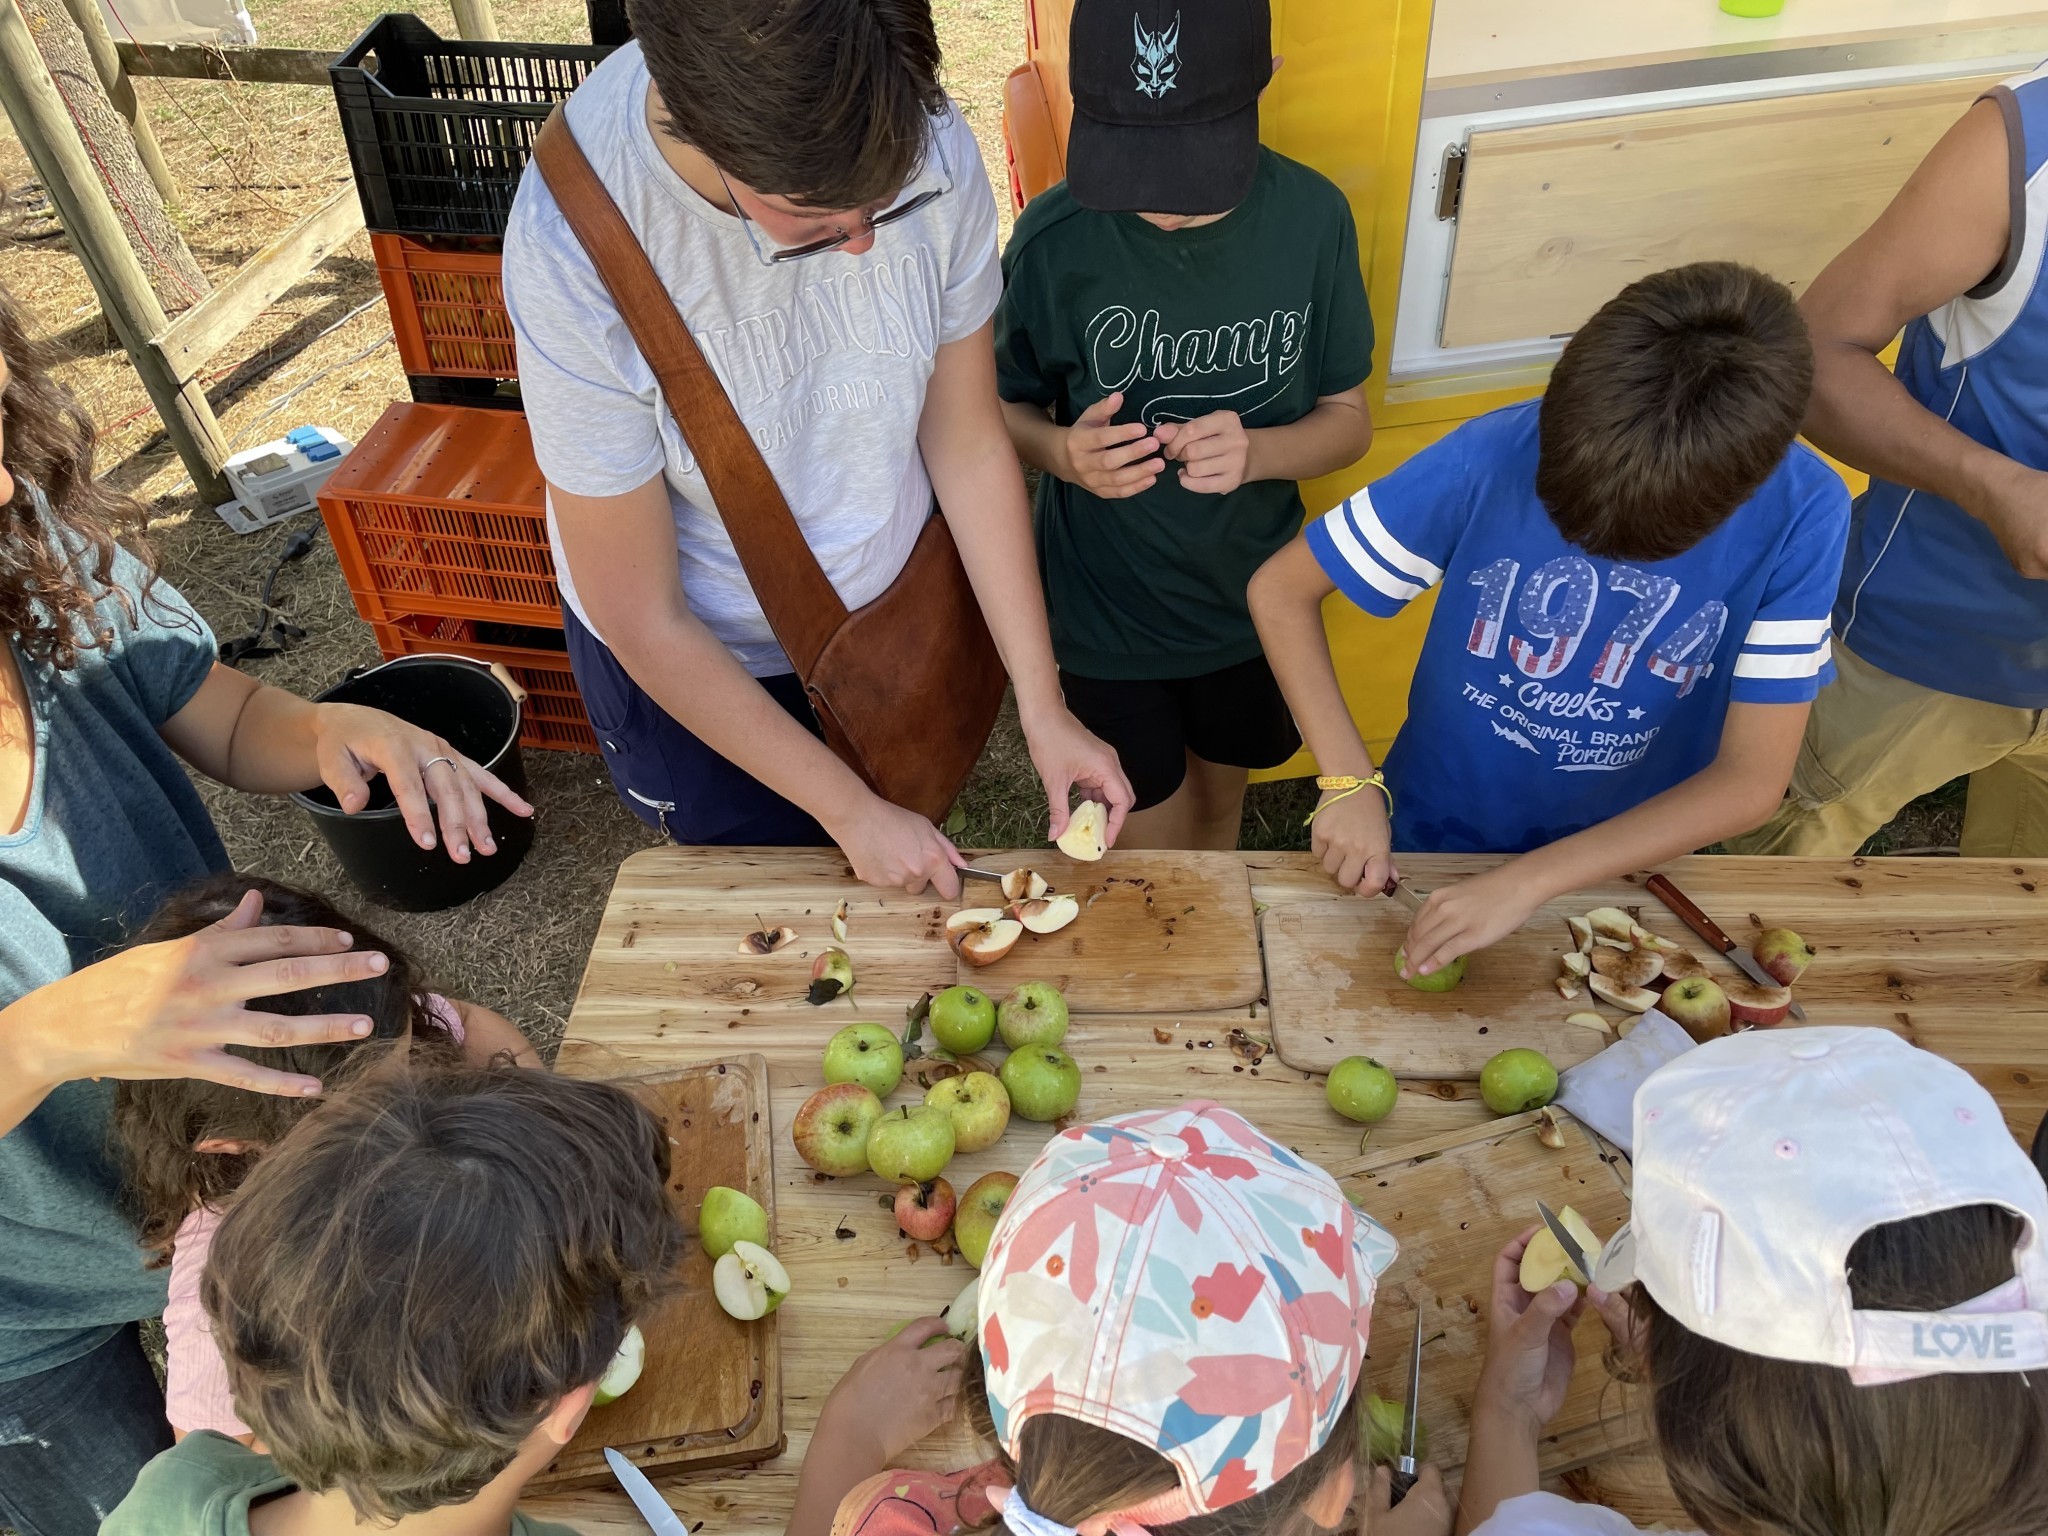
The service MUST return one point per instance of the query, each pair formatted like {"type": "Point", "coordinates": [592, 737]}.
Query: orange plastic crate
{"type": "Point", "coordinates": [553, 717]}
{"type": "Point", "coordinates": [441, 509]}
{"type": "Point", "coordinates": [447, 309]}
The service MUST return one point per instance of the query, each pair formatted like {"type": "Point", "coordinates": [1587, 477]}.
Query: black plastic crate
{"type": "Point", "coordinates": [609, 24]}
{"type": "Point", "coordinates": [438, 132]}
{"type": "Point", "coordinates": [497, 394]}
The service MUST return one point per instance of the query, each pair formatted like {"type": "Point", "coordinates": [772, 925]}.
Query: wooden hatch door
{"type": "Point", "coordinates": [1554, 219]}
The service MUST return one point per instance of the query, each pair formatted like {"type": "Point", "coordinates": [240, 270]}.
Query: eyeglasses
{"type": "Point", "coordinates": [868, 225]}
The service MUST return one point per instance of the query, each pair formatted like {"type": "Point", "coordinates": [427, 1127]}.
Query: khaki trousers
{"type": "Point", "coordinates": [1875, 742]}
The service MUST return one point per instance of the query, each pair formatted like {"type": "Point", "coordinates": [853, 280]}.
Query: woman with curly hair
{"type": "Point", "coordinates": [109, 689]}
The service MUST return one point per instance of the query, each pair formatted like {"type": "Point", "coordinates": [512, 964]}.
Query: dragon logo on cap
{"type": "Point", "coordinates": [1157, 62]}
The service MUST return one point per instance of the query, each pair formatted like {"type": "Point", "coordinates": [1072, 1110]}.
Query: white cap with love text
{"type": "Point", "coordinates": [1761, 1158]}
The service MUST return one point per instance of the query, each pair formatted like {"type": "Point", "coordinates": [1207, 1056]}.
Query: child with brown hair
{"type": "Point", "coordinates": [1173, 1320]}
{"type": "Point", "coordinates": [189, 1143]}
{"type": "Point", "coordinates": [416, 1294]}
{"type": "Point", "coordinates": [1834, 1283]}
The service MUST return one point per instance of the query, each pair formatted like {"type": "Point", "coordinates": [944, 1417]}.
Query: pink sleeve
{"type": "Point", "coordinates": [445, 1014]}
{"type": "Point", "coordinates": [196, 1394]}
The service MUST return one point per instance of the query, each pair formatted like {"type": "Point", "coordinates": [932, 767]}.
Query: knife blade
{"type": "Point", "coordinates": [969, 872]}
{"type": "Point", "coordinates": [653, 1508]}
{"type": "Point", "coordinates": [1660, 886]}
{"type": "Point", "coordinates": [1581, 1260]}
{"type": "Point", "coordinates": [1406, 1468]}
{"type": "Point", "coordinates": [1405, 891]}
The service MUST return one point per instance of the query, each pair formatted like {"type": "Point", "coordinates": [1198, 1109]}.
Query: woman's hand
{"type": "Point", "coordinates": [896, 1393]}
{"type": "Point", "coordinates": [428, 778]}
{"type": "Point", "coordinates": [1466, 916]}
{"type": "Point", "coordinates": [890, 847]}
{"type": "Point", "coordinates": [1353, 840]}
{"type": "Point", "coordinates": [1069, 756]}
{"type": "Point", "coordinates": [1425, 1510]}
{"type": "Point", "coordinates": [167, 1010]}
{"type": "Point", "coordinates": [1529, 1350]}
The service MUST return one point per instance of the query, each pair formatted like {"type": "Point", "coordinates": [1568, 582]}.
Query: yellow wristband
{"type": "Point", "coordinates": [1347, 785]}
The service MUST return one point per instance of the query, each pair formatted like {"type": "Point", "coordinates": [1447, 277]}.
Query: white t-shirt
{"type": "Point", "coordinates": [1545, 1514]}
{"type": "Point", "coordinates": [826, 359]}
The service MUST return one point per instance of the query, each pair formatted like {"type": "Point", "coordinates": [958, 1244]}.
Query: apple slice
{"type": "Point", "coordinates": [1634, 999]}
{"type": "Point", "coordinates": [1682, 964]}
{"type": "Point", "coordinates": [1582, 933]}
{"type": "Point", "coordinates": [1569, 989]}
{"type": "Point", "coordinates": [1048, 914]}
{"type": "Point", "coordinates": [962, 1315]}
{"type": "Point", "coordinates": [1644, 939]}
{"type": "Point", "coordinates": [619, 1376]}
{"type": "Point", "coordinates": [1024, 885]}
{"type": "Point", "coordinates": [1626, 967]}
{"type": "Point", "coordinates": [1578, 965]}
{"type": "Point", "coordinates": [1543, 1261]}
{"type": "Point", "coordinates": [1086, 827]}
{"type": "Point", "coordinates": [983, 935]}
{"type": "Point", "coordinates": [1750, 1004]}
{"type": "Point", "coordinates": [1613, 925]}
{"type": "Point", "coordinates": [1587, 1019]}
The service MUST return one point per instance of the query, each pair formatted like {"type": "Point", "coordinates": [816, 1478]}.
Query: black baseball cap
{"type": "Point", "coordinates": [1166, 103]}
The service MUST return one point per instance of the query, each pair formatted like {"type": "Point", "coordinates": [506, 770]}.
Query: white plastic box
{"type": "Point", "coordinates": [281, 478]}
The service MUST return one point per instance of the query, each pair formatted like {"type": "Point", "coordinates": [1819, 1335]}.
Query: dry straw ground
{"type": "Point", "coordinates": [249, 160]}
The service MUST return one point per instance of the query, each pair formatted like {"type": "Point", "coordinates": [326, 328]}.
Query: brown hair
{"type": "Point", "coordinates": [56, 568]}
{"type": "Point", "coordinates": [1670, 407]}
{"type": "Point", "coordinates": [159, 1122]}
{"type": "Point", "coordinates": [1759, 1447]}
{"type": "Point", "coordinates": [407, 1286]}
{"type": "Point", "coordinates": [825, 102]}
{"type": "Point", "coordinates": [1071, 1471]}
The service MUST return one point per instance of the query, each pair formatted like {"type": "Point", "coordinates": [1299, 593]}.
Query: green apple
{"type": "Point", "coordinates": [963, 1019]}
{"type": "Point", "coordinates": [619, 1376]}
{"type": "Point", "coordinates": [1361, 1089]}
{"type": "Point", "coordinates": [1034, 1014]}
{"type": "Point", "coordinates": [911, 1144]}
{"type": "Point", "coordinates": [866, 1054]}
{"type": "Point", "coordinates": [831, 1130]}
{"type": "Point", "coordinates": [1517, 1080]}
{"type": "Point", "coordinates": [1043, 1082]}
{"type": "Point", "coordinates": [730, 1216]}
{"type": "Point", "coordinates": [1382, 1428]}
{"type": "Point", "coordinates": [1442, 979]}
{"type": "Point", "coordinates": [979, 1106]}
{"type": "Point", "coordinates": [749, 1282]}
{"type": "Point", "coordinates": [974, 1223]}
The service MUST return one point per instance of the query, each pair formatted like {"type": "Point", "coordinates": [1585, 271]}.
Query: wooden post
{"type": "Point", "coordinates": [130, 305]}
{"type": "Point", "coordinates": [113, 158]}
{"type": "Point", "coordinates": [99, 43]}
{"type": "Point", "coordinates": [474, 21]}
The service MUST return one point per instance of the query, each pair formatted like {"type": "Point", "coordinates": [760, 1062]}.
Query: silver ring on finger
{"type": "Point", "coordinates": [433, 760]}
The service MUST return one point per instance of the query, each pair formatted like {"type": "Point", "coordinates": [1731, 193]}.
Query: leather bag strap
{"type": "Point", "coordinates": [794, 593]}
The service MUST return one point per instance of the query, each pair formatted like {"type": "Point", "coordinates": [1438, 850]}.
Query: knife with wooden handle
{"type": "Point", "coordinates": [1661, 887]}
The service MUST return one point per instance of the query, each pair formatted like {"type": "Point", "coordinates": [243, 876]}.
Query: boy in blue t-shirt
{"type": "Point", "coordinates": [1636, 578]}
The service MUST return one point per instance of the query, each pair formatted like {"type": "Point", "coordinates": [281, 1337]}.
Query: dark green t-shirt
{"type": "Point", "coordinates": [1261, 313]}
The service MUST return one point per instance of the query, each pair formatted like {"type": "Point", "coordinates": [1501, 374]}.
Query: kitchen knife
{"type": "Point", "coordinates": [968, 872]}
{"type": "Point", "coordinates": [1406, 893]}
{"type": "Point", "coordinates": [1406, 1467]}
{"type": "Point", "coordinates": [1661, 887]}
{"type": "Point", "coordinates": [653, 1508]}
{"type": "Point", "coordinates": [1581, 1260]}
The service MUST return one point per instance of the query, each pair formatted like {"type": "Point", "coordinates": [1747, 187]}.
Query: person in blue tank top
{"type": "Point", "coordinates": [1941, 624]}
{"type": "Point", "coordinates": [1635, 575]}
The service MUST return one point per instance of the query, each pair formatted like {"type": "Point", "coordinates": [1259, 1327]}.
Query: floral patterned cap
{"type": "Point", "coordinates": [1178, 1277]}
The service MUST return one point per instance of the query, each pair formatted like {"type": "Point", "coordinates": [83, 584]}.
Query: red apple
{"type": "Point", "coordinates": [1698, 1006]}
{"type": "Point", "coordinates": [925, 1211]}
{"type": "Point", "coordinates": [1750, 1004]}
{"type": "Point", "coordinates": [1783, 953]}
{"type": "Point", "coordinates": [831, 1130]}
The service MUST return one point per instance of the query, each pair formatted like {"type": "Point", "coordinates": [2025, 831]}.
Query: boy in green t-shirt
{"type": "Point", "coordinates": [1183, 337]}
{"type": "Point", "coordinates": [416, 1294]}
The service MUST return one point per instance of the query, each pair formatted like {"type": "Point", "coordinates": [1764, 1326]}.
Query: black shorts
{"type": "Point", "coordinates": [1236, 718]}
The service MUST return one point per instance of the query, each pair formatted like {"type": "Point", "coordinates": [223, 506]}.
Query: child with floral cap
{"type": "Point", "coordinates": [1173, 1318]}
{"type": "Point", "coordinates": [1834, 1281]}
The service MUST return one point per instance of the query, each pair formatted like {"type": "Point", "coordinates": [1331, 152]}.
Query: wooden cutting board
{"type": "Point", "coordinates": [1335, 993]}
{"type": "Point", "coordinates": [1158, 932]}
{"type": "Point", "coordinates": [1453, 1202]}
{"type": "Point", "coordinates": [711, 1392]}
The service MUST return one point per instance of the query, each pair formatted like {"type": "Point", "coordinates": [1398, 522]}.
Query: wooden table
{"type": "Point", "coordinates": [1953, 953]}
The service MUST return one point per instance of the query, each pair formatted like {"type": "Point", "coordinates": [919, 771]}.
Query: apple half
{"type": "Point", "coordinates": [749, 1282]}
{"type": "Point", "coordinates": [619, 1376]}
{"type": "Point", "coordinates": [983, 935]}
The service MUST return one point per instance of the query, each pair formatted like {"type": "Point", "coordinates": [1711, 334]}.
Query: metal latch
{"type": "Point", "coordinates": [1450, 182]}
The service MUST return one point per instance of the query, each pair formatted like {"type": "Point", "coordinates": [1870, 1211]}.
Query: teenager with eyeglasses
{"type": "Point", "coordinates": [818, 211]}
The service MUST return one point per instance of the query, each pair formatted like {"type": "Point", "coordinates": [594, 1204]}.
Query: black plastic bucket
{"type": "Point", "coordinates": [469, 706]}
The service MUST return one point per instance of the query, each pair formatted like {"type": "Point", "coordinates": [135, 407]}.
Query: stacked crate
{"type": "Point", "coordinates": [439, 516]}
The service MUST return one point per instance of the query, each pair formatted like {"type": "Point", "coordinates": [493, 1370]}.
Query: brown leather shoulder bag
{"type": "Point", "coordinates": [906, 689]}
